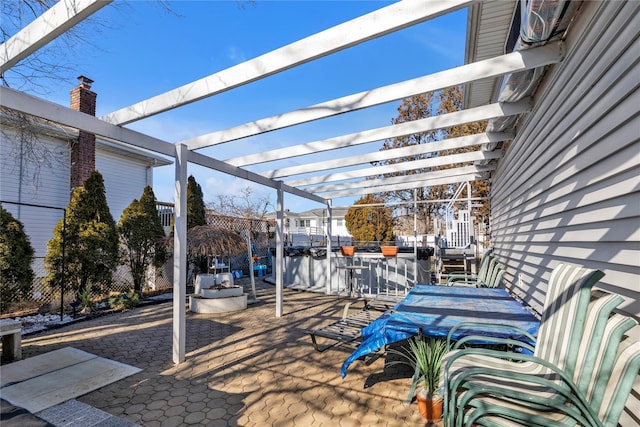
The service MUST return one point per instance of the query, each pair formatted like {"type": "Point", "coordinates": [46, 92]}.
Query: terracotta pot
{"type": "Point", "coordinates": [347, 250]}
{"type": "Point", "coordinates": [389, 250]}
{"type": "Point", "coordinates": [430, 406]}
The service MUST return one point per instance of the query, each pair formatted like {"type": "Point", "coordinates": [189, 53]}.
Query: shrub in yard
{"type": "Point", "coordinates": [120, 300]}
{"type": "Point", "coordinates": [16, 255]}
{"type": "Point", "coordinates": [142, 238]}
{"type": "Point", "coordinates": [91, 253]}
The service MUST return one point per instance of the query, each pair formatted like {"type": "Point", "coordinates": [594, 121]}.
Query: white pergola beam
{"type": "Point", "coordinates": [509, 63]}
{"type": "Point", "coordinates": [416, 150]}
{"type": "Point", "coordinates": [386, 20]}
{"type": "Point", "coordinates": [398, 153]}
{"type": "Point", "coordinates": [406, 186]}
{"type": "Point", "coordinates": [437, 122]}
{"type": "Point", "coordinates": [484, 112]}
{"type": "Point", "coordinates": [375, 171]}
{"type": "Point", "coordinates": [206, 161]}
{"type": "Point", "coordinates": [51, 24]}
{"type": "Point", "coordinates": [399, 179]}
{"type": "Point", "coordinates": [57, 113]}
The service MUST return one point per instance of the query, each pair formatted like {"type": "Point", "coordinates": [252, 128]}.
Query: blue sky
{"type": "Point", "coordinates": [144, 50]}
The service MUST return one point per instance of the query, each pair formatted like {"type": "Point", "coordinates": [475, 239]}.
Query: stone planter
{"type": "Point", "coordinates": [217, 305]}
{"type": "Point", "coordinates": [232, 291]}
{"type": "Point", "coordinates": [203, 281]}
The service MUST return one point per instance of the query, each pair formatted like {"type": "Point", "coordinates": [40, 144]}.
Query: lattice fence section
{"type": "Point", "coordinates": [262, 236]}
{"type": "Point", "coordinates": [260, 231]}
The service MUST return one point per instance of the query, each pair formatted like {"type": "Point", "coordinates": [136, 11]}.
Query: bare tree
{"type": "Point", "coordinates": [53, 64]}
{"type": "Point", "coordinates": [247, 204]}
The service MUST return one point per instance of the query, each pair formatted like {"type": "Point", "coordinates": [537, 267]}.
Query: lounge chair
{"type": "Point", "coordinates": [347, 330]}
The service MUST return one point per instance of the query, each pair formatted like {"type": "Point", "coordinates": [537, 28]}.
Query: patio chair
{"type": "Point", "coordinates": [492, 278]}
{"type": "Point", "coordinates": [595, 396]}
{"type": "Point", "coordinates": [470, 278]}
{"type": "Point", "coordinates": [566, 320]}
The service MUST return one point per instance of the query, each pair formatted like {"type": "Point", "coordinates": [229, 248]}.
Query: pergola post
{"type": "Point", "coordinates": [279, 249]}
{"type": "Point", "coordinates": [329, 235]}
{"type": "Point", "coordinates": [180, 255]}
{"type": "Point", "coordinates": [415, 236]}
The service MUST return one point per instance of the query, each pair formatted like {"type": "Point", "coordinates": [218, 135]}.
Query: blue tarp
{"type": "Point", "coordinates": [436, 309]}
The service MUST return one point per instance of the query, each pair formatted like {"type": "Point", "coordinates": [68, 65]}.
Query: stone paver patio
{"type": "Point", "coordinates": [246, 368]}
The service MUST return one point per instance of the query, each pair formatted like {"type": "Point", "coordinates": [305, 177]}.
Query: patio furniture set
{"type": "Point", "coordinates": [574, 366]}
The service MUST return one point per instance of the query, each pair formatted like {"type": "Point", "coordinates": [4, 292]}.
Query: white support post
{"type": "Point", "coordinates": [329, 275]}
{"type": "Point", "coordinates": [180, 256]}
{"type": "Point", "coordinates": [279, 250]}
{"type": "Point", "coordinates": [415, 236]}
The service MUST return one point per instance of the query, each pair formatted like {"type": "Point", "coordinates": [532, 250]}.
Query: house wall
{"type": "Point", "coordinates": [124, 179]}
{"type": "Point", "coordinates": [46, 184]}
{"type": "Point", "coordinates": [567, 189]}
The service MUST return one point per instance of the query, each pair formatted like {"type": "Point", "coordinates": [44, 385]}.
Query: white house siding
{"type": "Point", "coordinates": [124, 178]}
{"type": "Point", "coordinates": [49, 187]}
{"type": "Point", "coordinates": [568, 189]}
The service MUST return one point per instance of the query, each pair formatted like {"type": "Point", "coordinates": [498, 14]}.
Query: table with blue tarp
{"type": "Point", "coordinates": [433, 310]}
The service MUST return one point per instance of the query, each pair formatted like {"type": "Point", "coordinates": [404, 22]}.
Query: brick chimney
{"type": "Point", "coordinates": [83, 151]}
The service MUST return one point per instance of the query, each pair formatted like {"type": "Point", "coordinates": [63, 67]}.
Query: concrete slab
{"type": "Point", "coordinates": [79, 375]}
{"type": "Point", "coordinates": [38, 365]}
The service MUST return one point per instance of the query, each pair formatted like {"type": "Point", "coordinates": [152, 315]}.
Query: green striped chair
{"type": "Point", "coordinates": [594, 397]}
{"type": "Point", "coordinates": [559, 338]}
{"type": "Point", "coordinates": [468, 278]}
{"type": "Point", "coordinates": [494, 275]}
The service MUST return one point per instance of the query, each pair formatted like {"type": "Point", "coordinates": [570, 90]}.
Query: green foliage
{"type": "Point", "coordinates": [142, 237]}
{"type": "Point", "coordinates": [119, 300]}
{"type": "Point", "coordinates": [16, 255]}
{"type": "Point", "coordinates": [91, 240]}
{"type": "Point", "coordinates": [370, 223]}
{"type": "Point", "coordinates": [424, 355]}
{"type": "Point", "coordinates": [196, 214]}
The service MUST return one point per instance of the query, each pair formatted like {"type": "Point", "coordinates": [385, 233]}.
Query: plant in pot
{"type": "Point", "coordinates": [425, 355]}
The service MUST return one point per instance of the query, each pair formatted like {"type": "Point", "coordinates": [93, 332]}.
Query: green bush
{"type": "Point", "coordinates": [121, 300]}
{"type": "Point", "coordinates": [91, 243]}
{"type": "Point", "coordinates": [16, 256]}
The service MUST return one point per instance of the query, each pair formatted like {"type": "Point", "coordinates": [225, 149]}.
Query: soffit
{"type": "Point", "coordinates": [488, 29]}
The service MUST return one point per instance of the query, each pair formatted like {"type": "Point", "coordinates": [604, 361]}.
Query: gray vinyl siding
{"type": "Point", "coordinates": [568, 188]}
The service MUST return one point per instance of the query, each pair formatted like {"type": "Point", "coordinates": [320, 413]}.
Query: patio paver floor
{"type": "Point", "coordinates": [246, 368]}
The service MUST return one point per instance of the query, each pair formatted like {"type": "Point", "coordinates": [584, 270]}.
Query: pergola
{"type": "Point", "coordinates": [316, 181]}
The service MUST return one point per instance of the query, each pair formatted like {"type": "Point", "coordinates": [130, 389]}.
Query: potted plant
{"type": "Point", "coordinates": [347, 250]}
{"type": "Point", "coordinates": [389, 250]}
{"type": "Point", "coordinates": [425, 355]}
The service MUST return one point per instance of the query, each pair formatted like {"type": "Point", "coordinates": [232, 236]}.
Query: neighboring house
{"type": "Point", "coordinates": [309, 227]}
{"type": "Point", "coordinates": [65, 158]}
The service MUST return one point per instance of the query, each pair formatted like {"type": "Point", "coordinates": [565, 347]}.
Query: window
{"type": "Point", "coordinates": [304, 223]}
